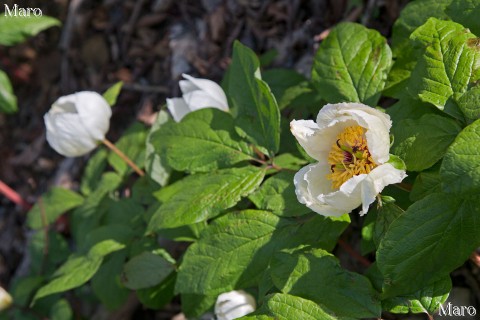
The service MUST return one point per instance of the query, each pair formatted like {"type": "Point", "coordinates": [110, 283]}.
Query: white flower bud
{"type": "Point", "coordinates": [5, 299]}
{"type": "Point", "coordinates": [234, 305]}
{"type": "Point", "coordinates": [197, 94]}
{"type": "Point", "coordinates": [77, 123]}
{"type": "Point", "coordinates": [351, 143]}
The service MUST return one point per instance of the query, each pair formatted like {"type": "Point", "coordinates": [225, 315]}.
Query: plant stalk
{"type": "Point", "coordinates": [122, 155]}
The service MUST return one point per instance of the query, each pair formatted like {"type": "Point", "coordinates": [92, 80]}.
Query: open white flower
{"type": "Point", "coordinates": [351, 143]}
{"type": "Point", "coordinates": [77, 123]}
{"type": "Point", "coordinates": [197, 94]}
{"type": "Point", "coordinates": [5, 299]}
{"type": "Point", "coordinates": [234, 304]}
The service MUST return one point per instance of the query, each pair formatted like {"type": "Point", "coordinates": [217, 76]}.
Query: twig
{"type": "Point", "coordinates": [14, 196]}
{"type": "Point", "coordinates": [354, 254]}
{"type": "Point", "coordinates": [122, 155]}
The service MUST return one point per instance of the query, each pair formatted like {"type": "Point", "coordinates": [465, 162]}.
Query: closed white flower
{"type": "Point", "coordinates": [77, 123]}
{"type": "Point", "coordinates": [197, 94]}
{"type": "Point", "coordinates": [5, 299]}
{"type": "Point", "coordinates": [351, 143]}
{"type": "Point", "coordinates": [233, 305]}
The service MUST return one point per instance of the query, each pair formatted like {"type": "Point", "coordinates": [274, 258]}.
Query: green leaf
{"type": "Point", "coordinates": [410, 108]}
{"type": "Point", "coordinates": [316, 275]}
{"type": "Point", "coordinates": [426, 300]}
{"type": "Point", "coordinates": [200, 197]}
{"type": "Point", "coordinates": [386, 214]}
{"type": "Point", "coordinates": [78, 269]}
{"type": "Point", "coordinates": [277, 194]}
{"type": "Point", "coordinates": [146, 270]}
{"type": "Point", "coordinates": [352, 64]}
{"type": "Point", "coordinates": [112, 93]}
{"type": "Point", "coordinates": [52, 205]}
{"type": "Point", "coordinates": [286, 307]}
{"type": "Point", "coordinates": [132, 144]}
{"type": "Point", "coordinates": [230, 251]}
{"type": "Point", "coordinates": [95, 167]}
{"type": "Point", "coordinates": [158, 296]}
{"type": "Point", "coordinates": [205, 140]}
{"type": "Point", "coordinates": [15, 29]}
{"type": "Point", "coordinates": [22, 289]}
{"type": "Point", "coordinates": [429, 240]}
{"type": "Point", "coordinates": [106, 282]}
{"type": "Point", "coordinates": [469, 103]}
{"type": "Point", "coordinates": [8, 101]}
{"type": "Point", "coordinates": [422, 142]}
{"type": "Point", "coordinates": [156, 168]}
{"type": "Point", "coordinates": [280, 81]}
{"type": "Point", "coordinates": [426, 182]}
{"type": "Point", "coordinates": [258, 116]}
{"type": "Point", "coordinates": [448, 63]}
{"type": "Point", "coordinates": [465, 12]}
{"type": "Point", "coordinates": [87, 216]}
{"type": "Point", "coordinates": [460, 170]}
{"type": "Point", "coordinates": [61, 310]}
{"type": "Point", "coordinates": [413, 16]}
{"type": "Point", "coordinates": [58, 252]}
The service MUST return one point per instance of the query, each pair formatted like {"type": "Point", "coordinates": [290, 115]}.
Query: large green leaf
{"type": "Point", "coordinates": [146, 270]}
{"type": "Point", "coordinates": [8, 101]}
{"type": "Point", "coordinates": [449, 62]}
{"type": "Point", "coordinates": [231, 249]}
{"type": "Point", "coordinates": [465, 12]}
{"type": "Point", "coordinates": [427, 300]}
{"type": "Point", "coordinates": [352, 64]}
{"type": "Point", "coordinates": [426, 182]}
{"type": "Point", "coordinates": [52, 205]}
{"type": "Point", "coordinates": [277, 194]}
{"type": "Point", "coordinates": [286, 307]}
{"type": "Point", "coordinates": [78, 269]}
{"type": "Point", "coordinates": [205, 140]}
{"type": "Point", "coordinates": [316, 275]}
{"type": "Point", "coordinates": [15, 29]}
{"type": "Point", "coordinates": [422, 142]}
{"type": "Point", "coordinates": [95, 167]}
{"type": "Point", "coordinates": [469, 104]}
{"type": "Point", "coordinates": [460, 170]}
{"type": "Point", "coordinates": [429, 240]}
{"type": "Point", "coordinates": [106, 282]}
{"type": "Point", "coordinates": [199, 197]}
{"type": "Point", "coordinates": [257, 113]}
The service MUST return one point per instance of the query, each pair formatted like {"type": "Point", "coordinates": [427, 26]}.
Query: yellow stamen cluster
{"type": "Point", "coordinates": [349, 156]}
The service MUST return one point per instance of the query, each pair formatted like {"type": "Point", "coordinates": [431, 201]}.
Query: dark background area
{"type": "Point", "coordinates": [147, 44]}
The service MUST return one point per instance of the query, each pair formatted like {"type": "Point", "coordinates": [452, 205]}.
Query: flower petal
{"type": "Point", "coordinates": [197, 100]}
{"type": "Point", "coordinates": [211, 88]}
{"type": "Point", "coordinates": [67, 135]}
{"type": "Point", "coordinates": [310, 138]}
{"type": "Point", "coordinates": [234, 304]}
{"type": "Point", "coordinates": [363, 189]}
{"type": "Point", "coordinates": [93, 111]}
{"type": "Point", "coordinates": [178, 108]}
{"type": "Point", "coordinates": [376, 122]}
{"type": "Point", "coordinates": [310, 184]}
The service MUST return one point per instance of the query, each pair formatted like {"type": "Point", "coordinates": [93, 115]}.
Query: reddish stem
{"type": "Point", "coordinates": [354, 254]}
{"type": "Point", "coordinates": [14, 196]}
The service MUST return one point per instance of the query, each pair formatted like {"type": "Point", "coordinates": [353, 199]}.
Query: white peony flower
{"type": "Point", "coordinates": [197, 94]}
{"type": "Point", "coordinates": [5, 299]}
{"type": "Point", "coordinates": [351, 143]}
{"type": "Point", "coordinates": [234, 305]}
{"type": "Point", "coordinates": [77, 123]}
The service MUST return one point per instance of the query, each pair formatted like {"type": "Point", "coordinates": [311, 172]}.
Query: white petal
{"type": "Point", "coordinates": [309, 137]}
{"type": "Point", "coordinates": [94, 112]}
{"type": "Point", "coordinates": [310, 184]}
{"type": "Point", "coordinates": [178, 108]}
{"type": "Point", "coordinates": [67, 135]}
{"type": "Point", "coordinates": [363, 189]}
{"type": "Point", "coordinates": [211, 88]}
{"type": "Point", "coordinates": [197, 100]}
{"type": "Point", "coordinates": [233, 305]}
{"type": "Point", "coordinates": [376, 122]}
